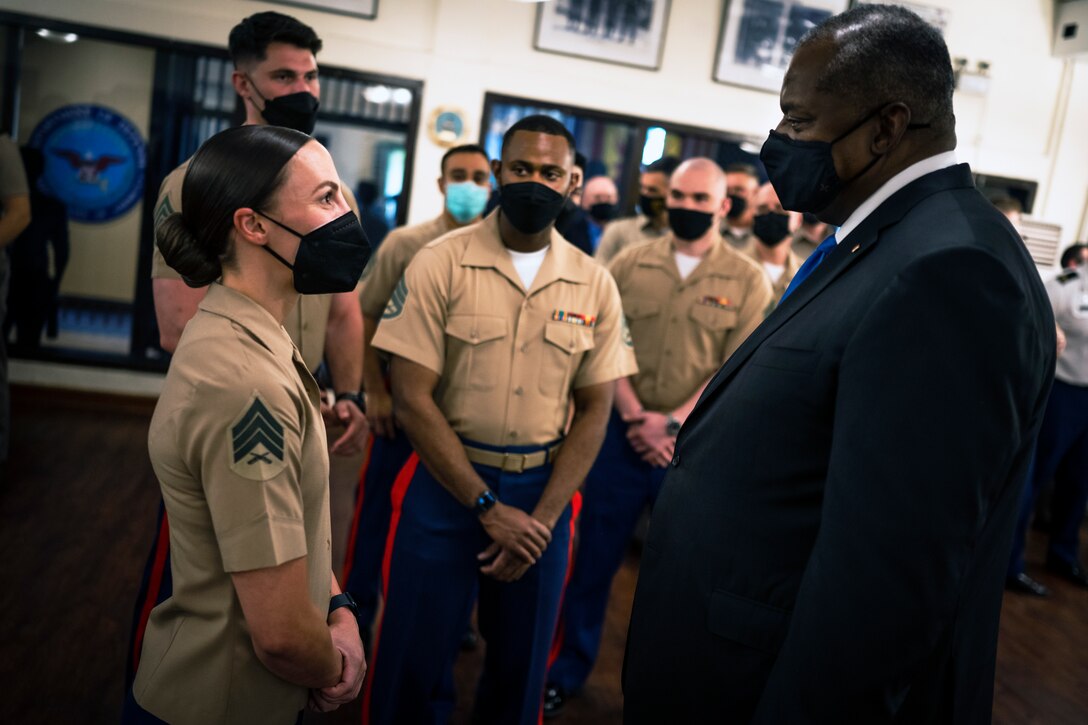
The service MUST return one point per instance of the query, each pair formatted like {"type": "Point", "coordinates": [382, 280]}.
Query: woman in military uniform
{"type": "Point", "coordinates": [256, 626]}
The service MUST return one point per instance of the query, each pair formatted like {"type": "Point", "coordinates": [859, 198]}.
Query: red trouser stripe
{"type": "Point", "coordinates": [557, 641]}
{"type": "Point", "coordinates": [162, 550]}
{"type": "Point", "coordinates": [349, 555]}
{"type": "Point", "coordinates": [400, 489]}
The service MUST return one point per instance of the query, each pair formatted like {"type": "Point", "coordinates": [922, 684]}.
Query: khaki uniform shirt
{"type": "Point", "coordinates": [392, 258]}
{"type": "Point", "coordinates": [508, 357]}
{"type": "Point", "coordinates": [239, 448]}
{"type": "Point", "coordinates": [793, 263]}
{"type": "Point", "coordinates": [683, 330]}
{"type": "Point", "coordinates": [742, 241]}
{"type": "Point", "coordinates": [306, 324]}
{"type": "Point", "coordinates": [802, 246]}
{"type": "Point", "coordinates": [623, 233]}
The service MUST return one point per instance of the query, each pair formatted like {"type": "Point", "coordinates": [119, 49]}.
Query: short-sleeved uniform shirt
{"type": "Point", "coordinates": [684, 329]}
{"type": "Point", "coordinates": [306, 324]}
{"type": "Point", "coordinates": [1069, 296]}
{"type": "Point", "coordinates": [508, 357]}
{"type": "Point", "coordinates": [392, 258]}
{"type": "Point", "coordinates": [740, 240]}
{"type": "Point", "coordinates": [238, 445]}
{"type": "Point", "coordinates": [623, 233]}
{"type": "Point", "coordinates": [778, 287]}
{"type": "Point", "coordinates": [802, 246]}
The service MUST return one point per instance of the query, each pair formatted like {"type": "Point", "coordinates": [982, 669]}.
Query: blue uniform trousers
{"type": "Point", "coordinates": [156, 586]}
{"type": "Point", "coordinates": [431, 581]}
{"type": "Point", "coordinates": [619, 486]}
{"type": "Point", "coordinates": [362, 575]}
{"type": "Point", "coordinates": [1061, 454]}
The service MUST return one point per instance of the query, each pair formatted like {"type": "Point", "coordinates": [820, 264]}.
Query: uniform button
{"type": "Point", "coordinates": [675, 318]}
{"type": "Point", "coordinates": [518, 390]}
{"type": "Point", "coordinates": [513, 434]}
{"type": "Point", "coordinates": [525, 347]}
{"type": "Point", "coordinates": [668, 353]}
{"type": "Point", "coordinates": [473, 335]}
{"type": "Point", "coordinates": [675, 459]}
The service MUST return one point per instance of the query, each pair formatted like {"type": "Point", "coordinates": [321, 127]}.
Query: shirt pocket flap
{"type": "Point", "coordinates": [639, 309]}
{"type": "Point", "coordinates": [571, 339]}
{"type": "Point", "coordinates": [476, 329]}
{"type": "Point", "coordinates": [747, 621]}
{"type": "Point", "coordinates": [712, 317]}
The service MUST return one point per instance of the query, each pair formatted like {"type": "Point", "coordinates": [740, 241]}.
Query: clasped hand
{"type": "Point", "coordinates": [647, 436]}
{"type": "Point", "coordinates": [518, 541]}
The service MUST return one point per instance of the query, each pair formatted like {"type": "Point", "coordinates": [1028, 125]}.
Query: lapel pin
{"type": "Point", "coordinates": [856, 248]}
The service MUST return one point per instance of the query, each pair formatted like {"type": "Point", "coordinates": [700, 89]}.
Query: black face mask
{"type": "Point", "coordinates": [295, 110]}
{"type": "Point", "coordinates": [689, 224]}
{"type": "Point", "coordinates": [330, 259]}
{"type": "Point", "coordinates": [651, 206]}
{"type": "Point", "coordinates": [771, 228]}
{"type": "Point", "coordinates": [803, 172]}
{"type": "Point", "coordinates": [603, 212]}
{"type": "Point", "coordinates": [529, 206]}
{"type": "Point", "coordinates": [737, 208]}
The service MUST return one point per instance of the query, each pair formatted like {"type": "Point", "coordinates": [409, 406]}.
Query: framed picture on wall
{"type": "Point", "coordinates": [366, 9]}
{"type": "Point", "coordinates": [627, 32]}
{"type": "Point", "coordinates": [935, 16]}
{"type": "Point", "coordinates": [758, 38]}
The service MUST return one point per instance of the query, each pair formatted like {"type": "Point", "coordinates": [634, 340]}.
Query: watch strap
{"type": "Point", "coordinates": [343, 600]}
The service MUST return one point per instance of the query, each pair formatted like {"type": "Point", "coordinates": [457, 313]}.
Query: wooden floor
{"type": "Point", "coordinates": [77, 508]}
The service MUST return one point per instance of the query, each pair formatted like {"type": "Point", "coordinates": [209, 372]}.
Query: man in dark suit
{"type": "Point", "coordinates": [831, 540]}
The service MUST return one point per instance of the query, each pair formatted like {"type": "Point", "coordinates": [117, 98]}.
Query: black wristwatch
{"type": "Point", "coordinates": [672, 426]}
{"type": "Point", "coordinates": [344, 600]}
{"type": "Point", "coordinates": [357, 398]}
{"type": "Point", "coordinates": [485, 502]}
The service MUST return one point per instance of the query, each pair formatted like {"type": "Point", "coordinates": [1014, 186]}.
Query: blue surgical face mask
{"type": "Point", "coordinates": [466, 200]}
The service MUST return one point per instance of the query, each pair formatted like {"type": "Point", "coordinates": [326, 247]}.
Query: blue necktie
{"type": "Point", "coordinates": [826, 247]}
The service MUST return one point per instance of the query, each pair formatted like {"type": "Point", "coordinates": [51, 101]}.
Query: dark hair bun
{"type": "Point", "coordinates": [184, 254]}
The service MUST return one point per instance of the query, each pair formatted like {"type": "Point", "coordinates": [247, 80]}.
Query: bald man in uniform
{"type": "Point", "coordinates": [465, 184]}
{"type": "Point", "coordinates": [652, 222]}
{"type": "Point", "coordinates": [275, 74]}
{"type": "Point", "coordinates": [494, 330]}
{"type": "Point", "coordinates": [773, 228]}
{"type": "Point", "coordinates": [690, 301]}
{"type": "Point", "coordinates": [599, 198]}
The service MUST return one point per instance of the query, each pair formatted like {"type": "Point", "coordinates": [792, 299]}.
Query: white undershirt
{"type": "Point", "coordinates": [528, 264]}
{"type": "Point", "coordinates": [774, 271]}
{"type": "Point", "coordinates": [686, 263]}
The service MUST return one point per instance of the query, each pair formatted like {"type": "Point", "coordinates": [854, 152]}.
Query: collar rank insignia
{"type": "Point", "coordinates": [573, 318]}
{"type": "Point", "coordinates": [257, 442]}
{"type": "Point", "coordinates": [722, 303]}
{"type": "Point", "coordinates": [1067, 276]}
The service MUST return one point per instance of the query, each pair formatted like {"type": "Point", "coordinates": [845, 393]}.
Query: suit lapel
{"type": "Point", "coordinates": [850, 251]}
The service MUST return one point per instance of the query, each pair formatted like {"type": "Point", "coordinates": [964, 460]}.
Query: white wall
{"type": "Point", "coordinates": [1030, 125]}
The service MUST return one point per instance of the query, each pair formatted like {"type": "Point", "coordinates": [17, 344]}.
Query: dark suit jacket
{"type": "Point", "coordinates": [831, 540]}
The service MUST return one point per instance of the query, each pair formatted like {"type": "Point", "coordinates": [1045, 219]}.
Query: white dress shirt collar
{"type": "Point", "coordinates": [911, 173]}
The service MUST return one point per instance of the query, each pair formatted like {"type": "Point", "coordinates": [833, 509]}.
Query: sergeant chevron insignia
{"type": "Point", "coordinates": [396, 302]}
{"type": "Point", "coordinates": [256, 442]}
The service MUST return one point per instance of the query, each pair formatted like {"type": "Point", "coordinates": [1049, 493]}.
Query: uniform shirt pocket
{"type": "Point", "coordinates": [713, 317]}
{"type": "Point", "coordinates": [565, 345]}
{"type": "Point", "coordinates": [474, 350]}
